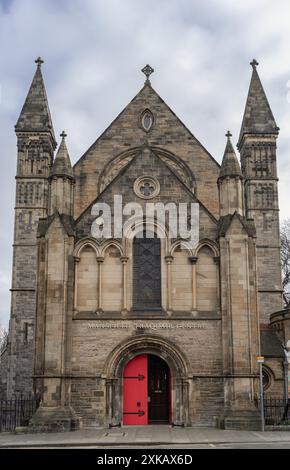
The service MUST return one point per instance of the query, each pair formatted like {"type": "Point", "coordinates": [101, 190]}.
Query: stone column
{"type": "Point", "coordinates": [169, 261]}
{"type": "Point", "coordinates": [100, 260]}
{"type": "Point", "coordinates": [193, 260]}
{"type": "Point", "coordinates": [76, 261]}
{"type": "Point", "coordinates": [109, 400]}
{"type": "Point", "coordinates": [217, 263]}
{"type": "Point", "coordinates": [124, 260]}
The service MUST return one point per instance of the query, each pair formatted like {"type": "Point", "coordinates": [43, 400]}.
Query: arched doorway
{"type": "Point", "coordinates": [146, 391]}
{"type": "Point", "coordinates": [147, 344]}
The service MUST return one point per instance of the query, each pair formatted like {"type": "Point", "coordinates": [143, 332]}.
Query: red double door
{"type": "Point", "coordinates": [146, 391]}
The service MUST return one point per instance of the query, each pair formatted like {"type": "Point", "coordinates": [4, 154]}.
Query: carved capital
{"type": "Point", "coordinates": [193, 259]}
{"type": "Point", "coordinates": [124, 259]}
{"type": "Point", "coordinates": [169, 259]}
{"type": "Point", "coordinates": [100, 259]}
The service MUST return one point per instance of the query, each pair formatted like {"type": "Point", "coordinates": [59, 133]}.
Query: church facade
{"type": "Point", "coordinates": [127, 321]}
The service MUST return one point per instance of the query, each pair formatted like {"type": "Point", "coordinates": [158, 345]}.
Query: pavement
{"type": "Point", "coordinates": [146, 437]}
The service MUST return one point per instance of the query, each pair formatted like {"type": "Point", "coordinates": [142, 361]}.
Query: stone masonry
{"type": "Point", "coordinates": [74, 324]}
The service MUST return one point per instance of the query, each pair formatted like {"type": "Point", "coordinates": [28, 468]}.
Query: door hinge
{"type": "Point", "coordinates": [139, 377]}
{"type": "Point", "coordinates": [139, 413]}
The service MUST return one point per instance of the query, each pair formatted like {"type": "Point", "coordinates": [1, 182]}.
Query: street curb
{"type": "Point", "coordinates": [135, 444]}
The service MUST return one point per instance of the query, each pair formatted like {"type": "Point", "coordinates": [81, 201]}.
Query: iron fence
{"type": "Point", "coordinates": [276, 411]}
{"type": "Point", "coordinates": [17, 411]}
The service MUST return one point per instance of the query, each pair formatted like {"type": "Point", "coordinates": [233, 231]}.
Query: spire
{"type": "Point", "coordinates": [230, 165]}
{"type": "Point", "coordinates": [62, 164]}
{"type": "Point", "coordinates": [258, 117]}
{"type": "Point", "coordinates": [35, 115]}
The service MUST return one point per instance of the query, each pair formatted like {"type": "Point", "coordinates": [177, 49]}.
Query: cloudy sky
{"type": "Point", "coordinates": [94, 50]}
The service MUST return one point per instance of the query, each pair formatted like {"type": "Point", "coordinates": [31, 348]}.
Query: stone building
{"type": "Point", "coordinates": [136, 327]}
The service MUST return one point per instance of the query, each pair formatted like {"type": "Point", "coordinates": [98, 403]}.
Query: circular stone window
{"type": "Point", "coordinates": [146, 187]}
{"type": "Point", "coordinates": [266, 378]}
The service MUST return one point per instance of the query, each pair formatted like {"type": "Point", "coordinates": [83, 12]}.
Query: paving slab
{"type": "Point", "coordinates": [131, 435]}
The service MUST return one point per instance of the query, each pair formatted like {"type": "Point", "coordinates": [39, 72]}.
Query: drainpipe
{"type": "Point", "coordinates": [286, 370]}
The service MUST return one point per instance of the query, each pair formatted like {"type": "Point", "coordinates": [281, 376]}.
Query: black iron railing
{"type": "Point", "coordinates": [276, 411]}
{"type": "Point", "coordinates": [17, 411]}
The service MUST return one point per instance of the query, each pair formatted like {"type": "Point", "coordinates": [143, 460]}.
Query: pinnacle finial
{"type": "Point", "coordinates": [39, 61]}
{"type": "Point", "coordinates": [63, 134]}
{"type": "Point", "coordinates": [254, 63]}
{"type": "Point", "coordinates": [229, 135]}
{"type": "Point", "coordinates": [147, 70]}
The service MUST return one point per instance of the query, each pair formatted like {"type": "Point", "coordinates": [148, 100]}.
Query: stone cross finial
{"type": "Point", "coordinates": [229, 135]}
{"type": "Point", "coordinates": [63, 134]}
{"type": "Point", "coordinates": [147, 70]}
{"type": "Point", "coordinates": [254, 63]}
{"type": "Point", "coordinates": [39, 61]}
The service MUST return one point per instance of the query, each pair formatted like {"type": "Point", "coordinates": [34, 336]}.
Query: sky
{"type": "Point", "coordinates": [94, 51]}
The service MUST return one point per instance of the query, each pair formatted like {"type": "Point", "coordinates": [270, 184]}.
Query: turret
{"type": "Point", "coordinates": [35, 148]}
{"type": "Point", "coordinates": [257, 146]}
{"type": "Point", "coordinates": [61, 182]}
{"type": "Point", "coordinates": [230, 182]}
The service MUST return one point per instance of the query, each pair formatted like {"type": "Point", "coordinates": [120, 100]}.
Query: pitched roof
{"type": "Point", "coordinates": [35, 114]}
{"type": "Point", "coordinates": [225, 223]}
{"type": "Point", "coordinates": [258, 117]}
{"type": "Point", "coordinates": [62, 164]}
{"type": "Point", "coordinates": [148, 90]}
{"type": "Point", "coordinates": [66, 220]}
{"type": "Point", "coordinates": [230, 164]}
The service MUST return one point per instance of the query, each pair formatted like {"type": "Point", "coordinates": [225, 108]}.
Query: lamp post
{"type": "Point", "coordinates": [260, 361]}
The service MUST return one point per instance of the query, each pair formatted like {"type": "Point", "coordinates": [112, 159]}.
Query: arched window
{"type": "Point", "coordinates": [87, 280]}
{"type": "Point", "coordinates": [112, 280]}
{"type": "Point", "coordinates": [146, 272]}
{"type": "Point", "coordinates": [181, 280]}
{"type": "Point", "coordinates": [207, 282]}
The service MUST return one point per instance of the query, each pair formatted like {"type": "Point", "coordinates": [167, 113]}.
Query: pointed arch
{"type": "Point", "coordinates": [209, 243]}
{"type": "Point", "coordinates": [86, 242]}
{"type": "Point", "coordinates": [112, 276]}
{"type": "Point", "coordinates": [181, 276]}
{"type": "Point", "coordinates": [187, 246]}
{"type": "Point", "coordinates": [175, 163]}
{"type": "Point", "coordinates": [86, 277]}
{"type": "Point", "coordinates": [207, 276]}
{"type": "Point", "coordinates": [105, 245]}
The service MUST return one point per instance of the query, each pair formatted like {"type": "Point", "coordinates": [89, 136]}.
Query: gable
{"type": "Point", "coordinates": [235, 224]}
{"type": "Point", "coordinates": [172, 189]}
{"type": "Point", "coordinates": [126, 133]}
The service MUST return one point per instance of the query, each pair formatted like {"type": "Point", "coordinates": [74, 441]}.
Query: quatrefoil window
{"type": "Point", "coordinates": [147, 120]}
{"type": "Point", "coordinates": [146, 187]}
